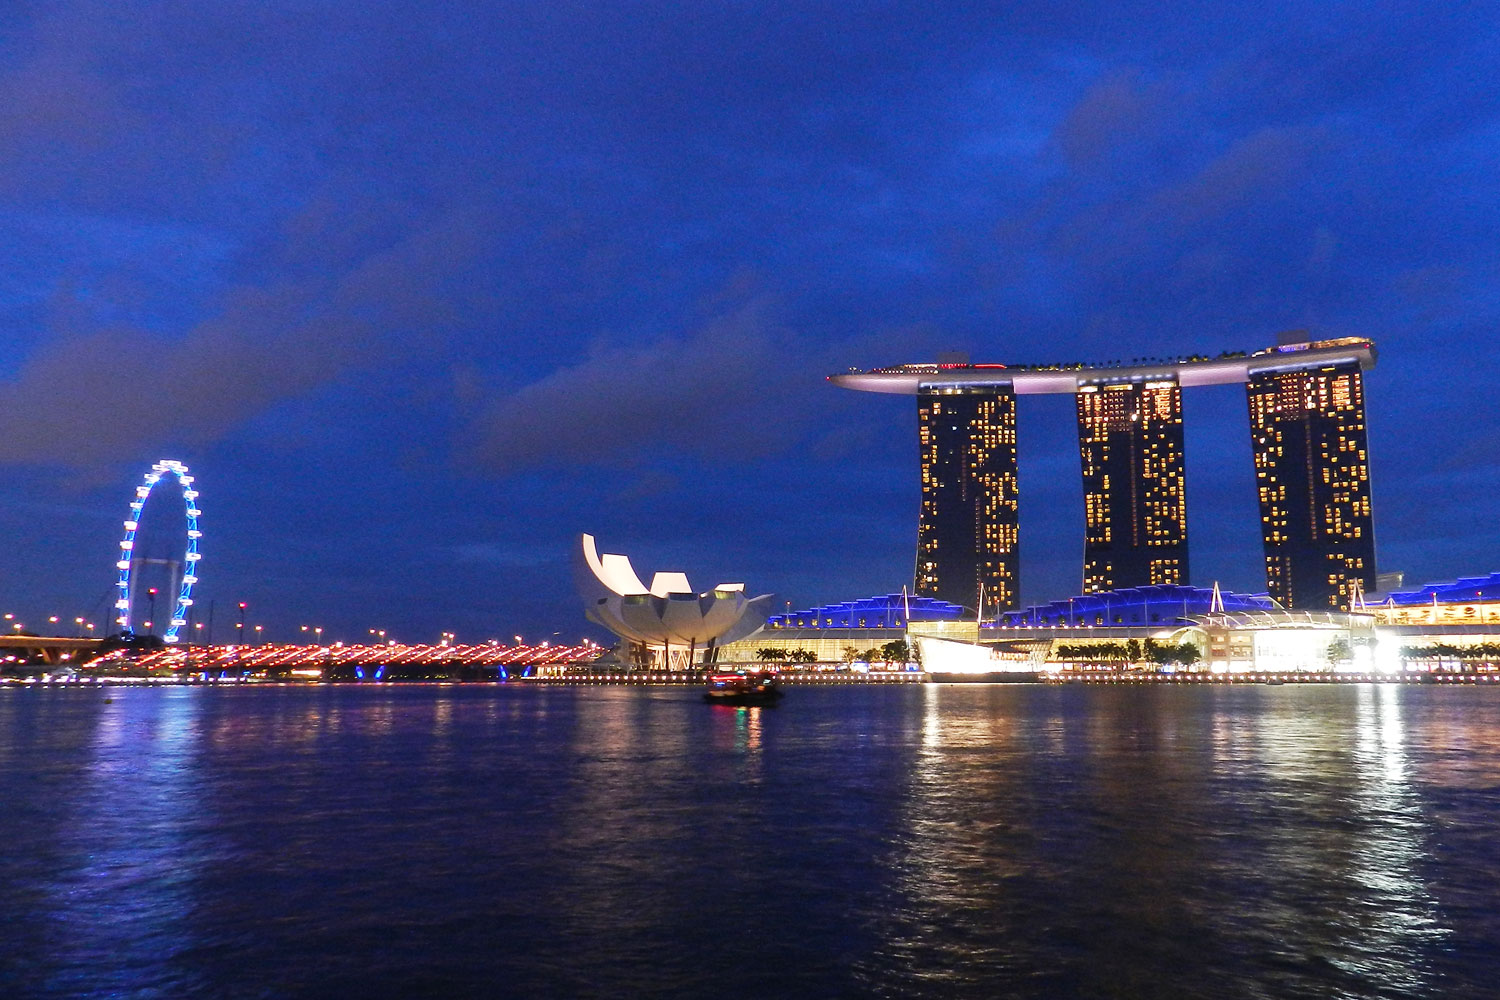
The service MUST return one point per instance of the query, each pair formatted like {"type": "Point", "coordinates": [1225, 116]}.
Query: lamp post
{"type": "Point", "coordinates": [241, 626]}
{"type": "Point", "coordinates": [151, 595]}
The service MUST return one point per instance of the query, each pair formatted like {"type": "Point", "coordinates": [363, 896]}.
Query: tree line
{"type": "Point", "coordinates": [1478, 651]}
{"type": "Point", "coordinates": [895, 651]}
{"type": "Point", "coordinates": [1130, 651]}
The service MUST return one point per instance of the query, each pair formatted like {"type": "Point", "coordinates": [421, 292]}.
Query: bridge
{"type": "Point", "coordinates": [52, 649]}
{"type": "Point", "coordinates": [340, 659]}
{"type": "Point", "coordinates": [286, 657]}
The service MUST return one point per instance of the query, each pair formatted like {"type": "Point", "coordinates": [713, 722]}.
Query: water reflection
{"type": "Point", "coordinates": [963, 841]}
{"type": "Point", "coordinates": [1068, 842]}
{"type": "Point", "coordinates": [1401, 919]}
{"type": "Point", "coordinates": [122, 904]}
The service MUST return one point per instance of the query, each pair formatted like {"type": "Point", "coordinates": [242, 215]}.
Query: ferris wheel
{"type": "Point", "coordinates": [127, 561]}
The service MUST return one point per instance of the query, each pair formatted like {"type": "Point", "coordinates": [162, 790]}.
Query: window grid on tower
{"type": "Point", "coordinates": [1312, 472]}
{"type": "Point", "coordinates": [1130, 442]}
{"type": "Point", "coordinates": [968, 531]}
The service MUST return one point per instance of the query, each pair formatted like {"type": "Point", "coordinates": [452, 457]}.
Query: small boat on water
{"type": "Point", "coordinates": [743, 689]}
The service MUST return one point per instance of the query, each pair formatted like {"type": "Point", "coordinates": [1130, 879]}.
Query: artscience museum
{"type": "Point", "coordinates": [667, 624]}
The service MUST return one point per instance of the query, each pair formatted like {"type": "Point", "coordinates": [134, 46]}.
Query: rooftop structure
{"type": "Point", "coordinates": [888, 611]}
{"type": "Point", "coordinates": [1467, 589]}
{"type": "Point", "coordinates": [1227, 369]}
{"type": "Point", "coordinates": [1150, 605]}
{"type": "Point", "coordinates": [1467, 601]}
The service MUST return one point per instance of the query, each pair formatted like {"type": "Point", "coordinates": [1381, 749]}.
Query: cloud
{"type": "Point", "coordinates": [1110, 112]}
{"type": "Point", "coordinates": [740, 386]}
{"type": "Point", "coordinates": [88, 398]}
{"type": "Point", "coordinates": [56, 94]}
{"type": "Point", "coordinates": [716, 393]}
{"type": "Point", "coordinates": [1259, 165]}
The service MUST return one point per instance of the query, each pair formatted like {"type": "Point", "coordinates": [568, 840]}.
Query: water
{"type": "Point", "coordinates": [958, 841]}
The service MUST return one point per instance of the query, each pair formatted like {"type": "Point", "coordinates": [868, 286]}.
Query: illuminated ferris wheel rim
{"type": "Point", "coordinates": [190, 558]}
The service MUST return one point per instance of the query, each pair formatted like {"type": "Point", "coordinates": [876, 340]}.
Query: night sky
{"type": "Point", "coordinates": [422, 290]}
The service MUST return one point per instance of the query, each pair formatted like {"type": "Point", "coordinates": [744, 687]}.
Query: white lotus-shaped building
{"type": "Point", "coordinates": [669, 612]}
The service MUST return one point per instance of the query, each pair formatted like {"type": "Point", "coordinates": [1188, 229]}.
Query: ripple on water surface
{"type": "Point", "coordinates": [940, 841]}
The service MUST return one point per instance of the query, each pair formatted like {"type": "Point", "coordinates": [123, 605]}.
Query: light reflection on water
{"type": "Point", "coordinates": [122, 897]}
{"type": "Point", "coordinates": [939, 841]}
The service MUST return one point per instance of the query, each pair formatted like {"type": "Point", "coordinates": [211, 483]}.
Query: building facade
{"type": "Point", "coordinates": [1134, 484]}
{"type": "Point", "coordinates": [1312, 474]}
{"type": "Point", "coordinates": [969, 529]}
{"type": "Point", "coordinates": [1307, 420]}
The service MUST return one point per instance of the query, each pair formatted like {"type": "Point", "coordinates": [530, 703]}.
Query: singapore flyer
{"type": "Point", "coordinates": [131, 561]}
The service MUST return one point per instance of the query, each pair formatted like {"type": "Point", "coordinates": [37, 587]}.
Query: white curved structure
{"type": "Point", "coordinates": [668, 612]}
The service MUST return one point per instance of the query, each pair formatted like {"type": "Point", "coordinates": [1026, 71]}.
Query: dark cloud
{"type": "Point", "coordinates": [719, 394]}
{"type": "Point", "coordinates": [86, 397]}
{"type": "Point", "coordinates": [1111, 113]}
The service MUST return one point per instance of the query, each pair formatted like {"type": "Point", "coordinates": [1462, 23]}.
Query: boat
{"type": "Point", "coordinates": [760, 688]}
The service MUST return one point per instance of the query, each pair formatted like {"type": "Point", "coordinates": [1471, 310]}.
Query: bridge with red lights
{"type": "Point", "coordinates": [341, 659]}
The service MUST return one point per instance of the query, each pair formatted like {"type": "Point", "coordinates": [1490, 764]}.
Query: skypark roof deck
{"type": "Point", "coordinates": [1226, 369]}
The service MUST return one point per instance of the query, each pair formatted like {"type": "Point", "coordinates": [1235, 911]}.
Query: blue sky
{"type": "Point", "coordinates": [421, 291]}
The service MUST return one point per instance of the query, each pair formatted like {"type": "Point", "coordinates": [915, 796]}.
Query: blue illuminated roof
{"type": "Point", "coordinates": [888, 611]}
{"type": "Point", "coordinates": [1468, 588]}
{"type": "Point", "coordinates": [1156, 604]}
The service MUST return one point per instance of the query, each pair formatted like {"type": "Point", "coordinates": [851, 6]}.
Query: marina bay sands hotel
{"type": "Point", "coordinates": [1307, 429]}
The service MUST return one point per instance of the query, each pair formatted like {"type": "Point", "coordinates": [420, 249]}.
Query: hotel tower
{"type": "Point", "coordinates": [970, 523]}
{"type": "Point", "coordinates": [1312, 472]}
{"type": "Point", "coordinates": [1134, 506]}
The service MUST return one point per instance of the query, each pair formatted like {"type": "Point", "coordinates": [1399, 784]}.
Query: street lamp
{"type": "Point", "coordinates": [151, 593]}
{"type": "Point", "coordinates": [241, 625]}
{"type": "Point", "coordinates": [258, 637]}
{"type": "Point", "coordinates": [79, 622]}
